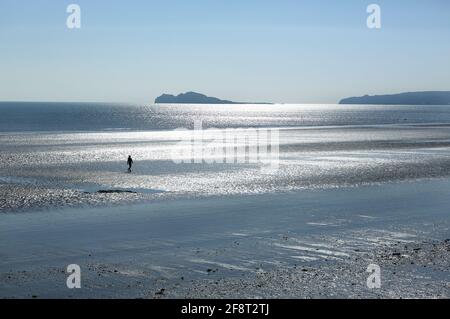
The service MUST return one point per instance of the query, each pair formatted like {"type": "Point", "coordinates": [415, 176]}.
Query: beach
{"type": "Point", "coordinates": [354, 186]}
{"type": "Point", "coordinates": [307, 244]}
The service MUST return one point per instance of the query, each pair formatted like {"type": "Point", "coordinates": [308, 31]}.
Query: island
{"type": "Point", "coordinates": [194, 98]}
{"type": "Point", "coordinates": [409, 98]}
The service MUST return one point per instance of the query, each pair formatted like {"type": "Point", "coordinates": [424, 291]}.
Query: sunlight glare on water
{"type": "Point", "coordinates": [66, 163]}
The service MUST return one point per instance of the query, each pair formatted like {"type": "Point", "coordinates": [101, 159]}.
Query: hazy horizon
{"type": "Point", "coordinates": [234, 102]}
{"type": "Point", "coordinates": [292, 52]}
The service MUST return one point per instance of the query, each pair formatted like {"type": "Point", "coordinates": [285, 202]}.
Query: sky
{"type": "Point", "coordinates": [282, 51]}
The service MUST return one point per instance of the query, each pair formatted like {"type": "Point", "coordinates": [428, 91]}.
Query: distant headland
{"type": "Point", "coordinates": [194, 98]}
{"type": "Point", "coordinates": [409, 98]}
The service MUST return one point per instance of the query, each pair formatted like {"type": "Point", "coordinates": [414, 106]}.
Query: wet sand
{"type": "Point", "coordinates": [42, 171]}
{"type": "Point", "coordinates": [302, 244]}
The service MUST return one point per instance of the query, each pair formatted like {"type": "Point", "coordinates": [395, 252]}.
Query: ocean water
{"type": "Point", "coordinates": [33, 117]}
{"type": "Point", "coordinates": [61, 154]}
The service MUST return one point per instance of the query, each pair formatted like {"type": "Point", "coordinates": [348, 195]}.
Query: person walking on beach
{"type": "Point", "coordinates": [130, 163]}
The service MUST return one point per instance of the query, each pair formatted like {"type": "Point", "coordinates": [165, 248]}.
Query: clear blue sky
{"type": "Point", "coordinates": [289, 51]}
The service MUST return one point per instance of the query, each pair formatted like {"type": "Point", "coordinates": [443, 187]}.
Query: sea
{"type": "Point", "coordinates": [74, 154]}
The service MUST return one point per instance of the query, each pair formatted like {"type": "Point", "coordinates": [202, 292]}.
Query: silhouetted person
{"type": "Point", "coordinates": [130, 163]}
